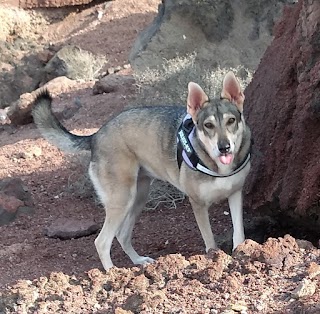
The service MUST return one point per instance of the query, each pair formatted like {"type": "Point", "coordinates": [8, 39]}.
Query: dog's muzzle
{"type": "Point", "coordinates": [224, 147]}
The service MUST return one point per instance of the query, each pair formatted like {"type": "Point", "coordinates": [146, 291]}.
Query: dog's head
{"type": "Point", "coordinates": [219, 122]}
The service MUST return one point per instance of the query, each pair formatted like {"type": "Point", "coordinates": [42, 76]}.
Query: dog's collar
{"type": "Point", "coordinates": [186, 152]}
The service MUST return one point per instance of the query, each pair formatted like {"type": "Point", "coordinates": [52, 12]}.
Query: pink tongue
{"type": "Point", "coordinates": [226, 159]}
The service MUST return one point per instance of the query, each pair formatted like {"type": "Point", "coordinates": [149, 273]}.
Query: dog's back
{"type": "Point", "coordinates": [149, 133]}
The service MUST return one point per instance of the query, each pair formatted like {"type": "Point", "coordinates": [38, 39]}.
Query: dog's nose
{"type": "Point", "coordinates": [224, 147]}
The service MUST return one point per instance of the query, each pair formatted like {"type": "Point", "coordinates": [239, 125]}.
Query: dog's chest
{"type": "Point", "coordinates": [218, 189]}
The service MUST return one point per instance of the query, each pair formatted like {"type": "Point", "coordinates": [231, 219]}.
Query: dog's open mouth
{"type": "Point", "coordinates": [226, 159]}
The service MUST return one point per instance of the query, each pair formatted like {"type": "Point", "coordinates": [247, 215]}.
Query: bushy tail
{"type": "Point", "coordinates": [51, 128]}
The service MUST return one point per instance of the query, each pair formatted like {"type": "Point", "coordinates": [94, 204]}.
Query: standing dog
{"type": "Point", "coordinates": [204, 151]}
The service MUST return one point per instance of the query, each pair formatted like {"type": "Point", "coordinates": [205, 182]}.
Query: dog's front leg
{"type": "Point", "coordinates": [202, 217]}
{"type": "Point", "coordinates": [235, 204]}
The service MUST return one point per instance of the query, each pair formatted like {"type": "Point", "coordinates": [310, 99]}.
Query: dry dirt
{"type": "Point", "coordinates": [45, 275]}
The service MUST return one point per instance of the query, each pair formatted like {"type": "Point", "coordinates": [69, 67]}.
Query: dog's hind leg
{"type": "Point", "coordinates": [124, 235]}
{"type": "Point", "coordinates": [235, 204]}
{"type": "Point", "coordinates": [202, 217]}
{"type": "Point", "coordinates": [117, 191]}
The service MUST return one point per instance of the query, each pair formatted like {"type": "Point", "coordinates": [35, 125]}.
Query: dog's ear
{"type": "Point", "coordinates": [231, 90]}
{"type": "Point", "coordinates": [196, 99]}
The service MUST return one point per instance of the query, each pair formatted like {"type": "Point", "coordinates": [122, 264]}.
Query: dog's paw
{"type": "Point", "coordinates": [143, 260]}
{"type": "Point", "coordinates": [236, 245]}
{"type": "Point", "coordinates": [211, 247]}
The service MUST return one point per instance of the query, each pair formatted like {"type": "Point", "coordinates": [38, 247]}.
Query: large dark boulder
{"type": "Point", "coordinates": [223, 33]}
{"type": "Point", "coordinates": [283, 110]}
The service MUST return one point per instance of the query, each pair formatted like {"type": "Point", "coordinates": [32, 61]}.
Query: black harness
{"type": "Point", "coordinates": [186, 152]}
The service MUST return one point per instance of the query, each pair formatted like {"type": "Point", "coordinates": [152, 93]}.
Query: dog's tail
{"type": "Point", "coordinates": [51, 128]}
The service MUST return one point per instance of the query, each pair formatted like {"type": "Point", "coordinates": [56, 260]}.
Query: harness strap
{"type": "Point", "coordinates": [179, 154]}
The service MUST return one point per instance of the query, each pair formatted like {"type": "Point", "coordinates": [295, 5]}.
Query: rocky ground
{"type": "Point", "coordinates": [42, 273]}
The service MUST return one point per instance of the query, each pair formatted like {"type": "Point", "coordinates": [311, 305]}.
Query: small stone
{"type": "Point", "coordinates": [45, 55]}
{"type": "Point", "coordinates": [67, 229]}
{"type": "Point", "coordinates": [4, 119]}
{"type": "Point", "coordinates": [239, 307]}
{"type": "Point", "coordinates": [134, 302]}
{"type": "Point", "coordinates": [306, 288]}
{"type": "Point", "coordinates": [110, 70]}
{"type": "Point", "coordinates": [140, 283]}
{"type": "Point", "coordinates": [233, 282]}
{"type": "Point", "coordinates": [10, 203]}
{"type": "Point", "coordinates": [120, 310]}
{"type": "Point", "coordinates": [313, 270]}
{"type": "Point", "coordinates": [304, 244]}
{"type": "Point", "coordinates": [260, 307]}
{"type": "Point", "coordinates": [15, 187]}
{"type": "Point", "coordinates": [112, 83]}
{"type": "Point", "coordinates": [226, 296]}
{"type": "Point", "coordinates": [36, 151]}
{"type": "Point", "coordinates": [99, 14]}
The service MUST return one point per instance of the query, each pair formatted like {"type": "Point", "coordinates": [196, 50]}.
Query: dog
{"type": "Point", "coordinates": [203, 150]}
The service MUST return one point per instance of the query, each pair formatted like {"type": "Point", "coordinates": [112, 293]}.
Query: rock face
{"type": "Point", "coordinates": [283, 110]}
{"type": "Point", "coordinates": [30, 4]}
{"type": "Point", "coordinates": [224, 33]}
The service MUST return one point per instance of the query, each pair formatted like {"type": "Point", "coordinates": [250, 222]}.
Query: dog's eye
{"type": "Point", "coordinates": [231, 121]}
{"type": "Point", "coordinates": [209, 125]}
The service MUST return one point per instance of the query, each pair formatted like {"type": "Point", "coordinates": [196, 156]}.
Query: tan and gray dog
{"type": "Point", "coordinates": [203, 150]}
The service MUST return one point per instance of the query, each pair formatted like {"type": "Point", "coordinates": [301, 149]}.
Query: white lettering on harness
{"type": "Point", "coordinates": [184, 142]}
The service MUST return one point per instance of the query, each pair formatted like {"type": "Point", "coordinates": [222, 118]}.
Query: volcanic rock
{"type": "Point", "coordinates": [283, 110]}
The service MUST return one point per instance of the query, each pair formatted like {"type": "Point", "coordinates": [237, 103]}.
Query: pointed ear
{"type": "Point", "coordinates": [196, 99]}
{"type": "Point", "coordinates": [231, 90]}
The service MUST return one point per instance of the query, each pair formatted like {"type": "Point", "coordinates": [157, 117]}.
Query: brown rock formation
{"type": "Point", "coordinates": [31, 4]}
{"type": "Point", "coordinates": [19, 112]}
{"type": "Point", "coordinates": [283, 110]}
